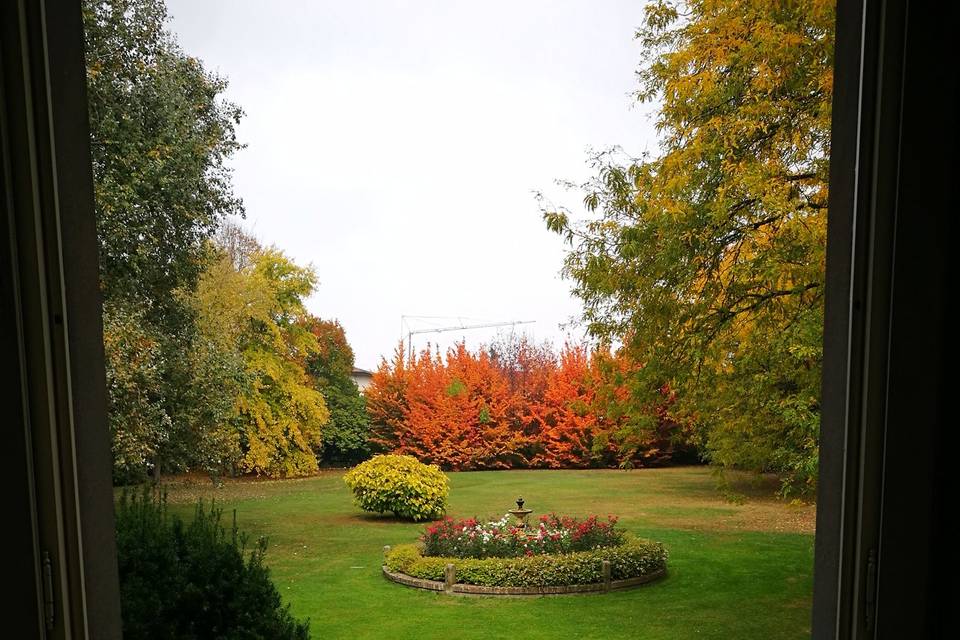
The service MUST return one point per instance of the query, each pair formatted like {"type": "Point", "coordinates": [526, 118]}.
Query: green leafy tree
{"type": "Point", "coordinates": [160, 137]}
{"type": "Point", "coordinates": [707, 261]}
{"type": "Point", "coordinates": [346, 435]}
{"type": "Point", "coordinates": [138, 424]}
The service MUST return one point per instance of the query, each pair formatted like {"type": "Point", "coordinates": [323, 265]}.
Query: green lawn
{"type": "Point", "coordinates": [736, 570]}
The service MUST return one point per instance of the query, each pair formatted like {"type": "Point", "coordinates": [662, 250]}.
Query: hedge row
{"type": "Point", "coordinates": [632, 559]}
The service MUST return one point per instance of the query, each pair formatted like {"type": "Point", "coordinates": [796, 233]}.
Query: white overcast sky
{"type": "Point", "coordinates": [396, 147]}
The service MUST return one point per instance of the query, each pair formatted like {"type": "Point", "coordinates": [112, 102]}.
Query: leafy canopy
{"type": "Point", "coordinates": [707, 261]}
{"type": "Point", "coordinates": [160, 137]}
{"type": "Point", "coordinates": [252, 304]}
{"type": "Point", "coordinates": [161, 134]}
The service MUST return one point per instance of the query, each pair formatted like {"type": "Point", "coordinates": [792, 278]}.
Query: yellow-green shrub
{"type": "Point", "coordinates": [399, 484]}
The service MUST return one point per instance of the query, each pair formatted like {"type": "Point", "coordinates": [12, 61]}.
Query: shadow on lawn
{"type": "Point", "coordinates": [378, 518]}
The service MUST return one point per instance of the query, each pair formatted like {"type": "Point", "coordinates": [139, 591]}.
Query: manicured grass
{"type": "Point", "coordinates": [736, 570]}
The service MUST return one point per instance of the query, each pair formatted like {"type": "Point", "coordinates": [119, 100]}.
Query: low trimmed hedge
{"type": "Point", "coordinates": [632, 559]}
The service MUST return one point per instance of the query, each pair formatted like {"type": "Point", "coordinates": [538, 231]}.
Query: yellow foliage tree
{"type": "Point", "coordinates": [251, 300]}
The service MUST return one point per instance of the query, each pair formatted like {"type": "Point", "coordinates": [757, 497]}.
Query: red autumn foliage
{"type": "Point", "coordinates": [516, 405]}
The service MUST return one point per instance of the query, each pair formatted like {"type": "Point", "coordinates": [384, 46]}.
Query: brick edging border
{"type": "Point", "coordinates": [473, 589]}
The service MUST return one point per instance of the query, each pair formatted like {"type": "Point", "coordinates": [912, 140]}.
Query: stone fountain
{"type": "Point", "coordinates": [520, 513]}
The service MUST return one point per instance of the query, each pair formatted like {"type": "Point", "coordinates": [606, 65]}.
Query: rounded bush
{"type": "Point", "coordinates": [399, 484]}
{"type": "Point", "coordinates": [631, 559]}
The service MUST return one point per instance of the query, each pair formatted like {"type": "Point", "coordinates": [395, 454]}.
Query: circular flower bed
{"type": "Point", "coordinates": [560, 555]}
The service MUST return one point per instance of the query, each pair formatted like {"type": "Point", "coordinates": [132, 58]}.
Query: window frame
{"type": "Point", "coordinates": [884, 326]}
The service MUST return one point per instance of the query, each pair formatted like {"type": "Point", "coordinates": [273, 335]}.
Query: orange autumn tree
{"type": "Point", "coordinates": [456, 412]}
{"type": "Point", "coordinates": [386, 398]}
{"type": "Point", "coordinates": [430, 420]}
{"type": "Point", "coordinates": [487, 426]}
{"type": "Point", "coordinates": [526, 367]}
{"type": "Point", "coordinates": [565, 418]}
{"type": "Point", "coordinates": [514, 405]}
